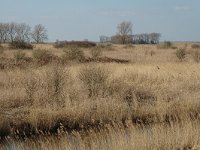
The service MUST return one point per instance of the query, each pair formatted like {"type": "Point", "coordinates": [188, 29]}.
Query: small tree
{"type": "Point", "coordinates": [39, 34]}
{"type": "Point", "coordinates": [124, 32]}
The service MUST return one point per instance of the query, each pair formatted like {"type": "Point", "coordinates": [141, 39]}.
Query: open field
{"type": "Point", "coordinates": [130, 97]}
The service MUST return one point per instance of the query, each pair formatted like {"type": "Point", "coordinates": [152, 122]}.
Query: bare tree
{"type": "Point", "coordinates": [3, 32]}
{"type": "Point", "coordinates": [125, 32]}
{"type": "Point", "coordinates": [154, 37]}
{"type": "Point", "coordinates": [12, 31]}
{"type": "Point", "coordinates": [104, 39]}
{"type": "Point", "coordinates": [23, 32]}
{"type": "Point", "coordinates": [39, 34]}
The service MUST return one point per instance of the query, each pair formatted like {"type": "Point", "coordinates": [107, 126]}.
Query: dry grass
{"type": "Point", "coordinates": [158, 93]}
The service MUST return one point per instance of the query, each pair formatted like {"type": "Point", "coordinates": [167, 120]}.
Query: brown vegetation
{"type": "Point", "coordinates": [153, 102]}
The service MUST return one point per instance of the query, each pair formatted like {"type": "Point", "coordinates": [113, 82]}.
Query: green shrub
{"type": "Point", "coordinates": [74, 54]}
{"type": "Point", "coordinates": [180, 54]}
{"type": "Point", "coordinates": [42, 56]}
{"type": "Point", "coordinates": [19, 55]}
{"type": "Point", "coordinates": [94, 79]}
{"type": "Point", "coordinates": [20, 45]}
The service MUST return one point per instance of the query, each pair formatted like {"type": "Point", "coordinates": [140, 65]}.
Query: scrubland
{"type": "Point", "coordinates": [110, 97]}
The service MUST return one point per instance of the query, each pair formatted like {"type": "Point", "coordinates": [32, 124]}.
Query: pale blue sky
{"type": "Point", "coordinates": [176, 20]}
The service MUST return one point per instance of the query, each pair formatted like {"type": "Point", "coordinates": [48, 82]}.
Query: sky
{"type": "Point", "coordinates": [176, 20]}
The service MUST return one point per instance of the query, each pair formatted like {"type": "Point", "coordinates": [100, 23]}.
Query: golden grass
{"type": "Point", "coordinates": [153, 91]}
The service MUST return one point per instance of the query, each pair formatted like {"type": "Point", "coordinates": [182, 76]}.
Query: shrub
{"type": "Point", "coordinates": [72, 44]}
{"type": "Point", "coordinates": [165, 45]}
{"type": "Point", "coordinates": [56, 80]}
{"type": "Point", "coordinates": [152, 52]}
{"type": "Point", "coordinates": [1, 49]}
{"type": "Point", "coordinates": [19, 56]}
{"type": "Point", "coordinates": [31, 87]}
{"type": "Point", "coordinates": [42, 56]}
{"type": "Point", "coordinates": [74, 54]}
{"type": "Point", "coordinates": [20, 45]}
{"type": "Point", "coordinates": [195, 46]}
{"type": "Point", "coordinates": [196, 56]}
{"type": "Point", "coordinates": [180, 53]}
{"type": "Point", "coordinates": [94, 79]}
{"type": "Point", "coordinates": [96, 52]}
{"type": "Point", "coordinates": [129, 46]}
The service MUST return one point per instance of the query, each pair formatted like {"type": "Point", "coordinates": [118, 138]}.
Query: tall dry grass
{"type": "Point", "coordinates": [93, 102]}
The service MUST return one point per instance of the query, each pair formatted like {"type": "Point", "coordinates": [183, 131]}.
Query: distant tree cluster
{"type": "Point", "coordinates": [12, 32]}
{"type": "Point", "coordinates": [124, 36]}
{"type": "Point", "coordinates": [151, 38]}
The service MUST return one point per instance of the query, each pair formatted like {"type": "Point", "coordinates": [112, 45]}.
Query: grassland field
{"type": "Point", "coordinates": [129, 97]}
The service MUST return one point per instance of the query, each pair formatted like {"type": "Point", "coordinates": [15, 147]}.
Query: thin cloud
{"type": "Point", "coordinates": [182, 8]}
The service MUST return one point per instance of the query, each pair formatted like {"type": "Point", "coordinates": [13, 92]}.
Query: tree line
{"type": "Point", "coordinates": [22, 32]}
{"type": "Point", "coordinates": [124, 36]}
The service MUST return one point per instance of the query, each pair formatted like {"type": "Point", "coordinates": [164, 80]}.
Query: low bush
{"type": "Point", "coordinates": [19, 56]}
{"type": "Point", "coordinates": [72, 44]}
{"type": "Point", "coordinates": [165, 45]}
{"type": "Point", "coordinates": [180, 54]}
{"type": "Point", "coordinates": [94, 79]}
{"type": "Point", "coordinates": [1, 49]}
{"type": "Point", "coordinates": [42, 56]}
{"type": "Point", "coordinates": [73, 54]}
{"type": "Point", "coordinates": [196, 56]}
{"type": "Point", "coordinates": [56, 79]}
{"type": "Point", "coordinates": [96, 52]}
{"type": "Point", "coordinates": [152, 52]}
{"type": "Point", "coordinates": [129, 46]}
{"type": "Point", "coordinates": [195, 46]}
{"type": "Point", "coordinates": [20, 45]}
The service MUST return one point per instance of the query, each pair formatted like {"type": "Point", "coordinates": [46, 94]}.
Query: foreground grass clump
{"type": "Point", "coordinates": [118, 137]}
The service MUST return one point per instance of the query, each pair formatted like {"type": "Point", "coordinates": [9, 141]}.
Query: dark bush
{"type": "Point", "coordinates": [180, 53]}
{"type": "Point", "coordinates": [74, 54]}
{"type": "Point", "coordinates": [165, 45]}
{"type": "Point", "coordinates": [1, 49]}
{"type": "Point", "coordinates": [42, 56]}
{"type": "Point", "coordinates": [94, 79]}
{"type": "Point", "coordinates": [72, 44]}
{"type": "Point", "coordinates": [195, 46]}
{"type": "Point", "coordinates": [96, 52]}
{"type": "Point", "coordinates": [196, 56]}
{"type": "Point", "coordinates": [20, 45]}
{"type": "Point", "coordinates": [19, 55]}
